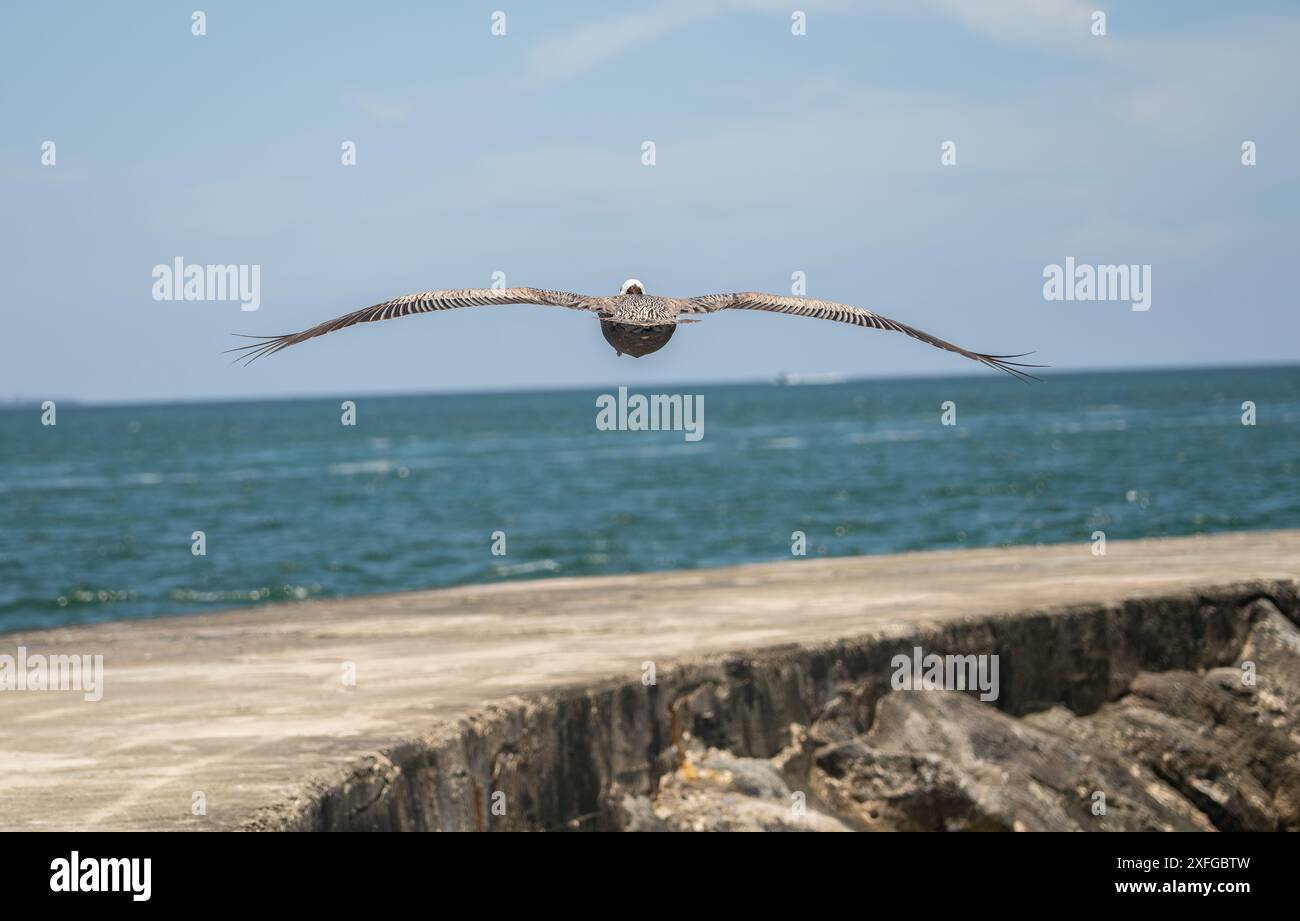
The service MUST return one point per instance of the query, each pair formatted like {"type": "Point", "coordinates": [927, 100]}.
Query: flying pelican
{"type": "Point", "coordinates": [633, 322]}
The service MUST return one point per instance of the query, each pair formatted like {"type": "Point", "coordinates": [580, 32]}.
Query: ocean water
{"type": "Point", "coordinates": [98, 511]}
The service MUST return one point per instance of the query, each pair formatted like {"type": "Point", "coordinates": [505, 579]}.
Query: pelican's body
{"type": "Point", "coordinates": [633, 322]}
{"type": "Point", "coordinates": [634, 340]}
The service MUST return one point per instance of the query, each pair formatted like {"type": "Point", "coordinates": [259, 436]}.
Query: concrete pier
{"type": "Point", "coordinates": [410, 710]}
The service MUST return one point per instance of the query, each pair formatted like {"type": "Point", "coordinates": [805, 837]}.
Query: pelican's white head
{"type": "Point", "coordinates": [632, 286]}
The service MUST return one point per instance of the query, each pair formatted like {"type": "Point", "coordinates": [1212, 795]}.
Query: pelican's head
{"type": "Point", "coordinates": [632, 286]}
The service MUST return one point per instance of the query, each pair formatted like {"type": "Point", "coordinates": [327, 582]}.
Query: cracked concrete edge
{"type": "Point", "coordinates": [563, 756]}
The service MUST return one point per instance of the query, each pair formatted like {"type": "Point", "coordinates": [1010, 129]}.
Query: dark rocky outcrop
{"type": "Point", "coordinates": [1147, 707]}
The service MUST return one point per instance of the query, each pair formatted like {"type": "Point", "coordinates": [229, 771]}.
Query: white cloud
{"type": "Point", "coordinates": [1057, 24]}
{"type": "Point", "coordinates": [576, 52]}
{"type": "Point", "coordinates": [583, 49]}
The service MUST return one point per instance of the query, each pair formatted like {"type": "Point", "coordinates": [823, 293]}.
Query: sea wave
{"type": "Point", "coordinates": [352, 468]}
{"type": "Point", "coordinates": [234, 595]}
{"type": "Point", "coordinates": [519, 569]}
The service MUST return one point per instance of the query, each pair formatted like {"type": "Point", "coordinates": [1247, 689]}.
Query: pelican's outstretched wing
{"type": "Point", "coordinates": [845, 313]}
{"type": "Point", "coordinates": [423, 302]}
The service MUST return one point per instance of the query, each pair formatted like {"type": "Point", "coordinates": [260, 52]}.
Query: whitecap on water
{"type": "Point", "coordinates": [352, 468]}
{"type": "Point", "coordinates": [143, 479]}
{"type": "Point", "coordinates": [518, 569]}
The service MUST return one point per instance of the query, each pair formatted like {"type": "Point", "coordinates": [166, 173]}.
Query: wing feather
{"type": "Point", "coordinates": [847, 313]}
{"type": "Point", "coordinates": [421, 302]}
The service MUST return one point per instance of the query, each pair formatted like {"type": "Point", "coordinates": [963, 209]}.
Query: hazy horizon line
{"type": "Point", "coordinates": [18, 403]}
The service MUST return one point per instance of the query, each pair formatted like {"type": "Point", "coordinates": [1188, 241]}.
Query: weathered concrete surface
{"type": "Point", "coordinates": [250, 707]}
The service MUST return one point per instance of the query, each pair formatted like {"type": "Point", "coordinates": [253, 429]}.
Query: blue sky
{"type": "Point", "coordinates": [522, 154]}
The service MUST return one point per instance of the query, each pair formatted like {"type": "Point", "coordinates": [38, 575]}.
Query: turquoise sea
{"type": "Point", "coordinates": [97, 512]}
